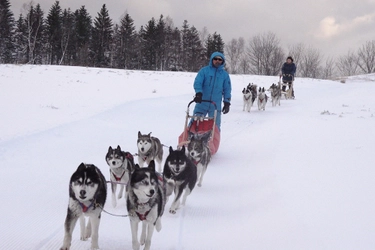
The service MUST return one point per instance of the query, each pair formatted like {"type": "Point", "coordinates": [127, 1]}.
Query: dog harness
{"type": "Point", "coordinates": [143, 216]}
{"type": "Point", "coordinates": [84, 208]}
{"type": "Point", "coordinates": [118, 178]}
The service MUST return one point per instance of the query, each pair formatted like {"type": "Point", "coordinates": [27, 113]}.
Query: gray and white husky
{"type": "Point", "coordinates": [149, 148]}
{"type": "Point", "coordinates": [180, 176]}
{"type": "Point", "coordinates": [247, 99]}
{"type": "Point", "coordinates": [87, 196]}
{"type": "Point", "coordinates": [145, 203]}
{"type": "Point", "coordinates": [262, 99]}
{"type": "Point", "coordinates": [275, 93]}
{"type": "Point", "coordinates": [199, 153]}
{"type": "Point", "coordinates": [121, 165]}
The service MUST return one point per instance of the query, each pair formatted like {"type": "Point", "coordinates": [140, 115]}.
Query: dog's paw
{"type": "Point", "coordinates": [94, 247]}
{"type": "Point", "coordinates": [64, 247]}
{"type": "Point", "coordinates": [199, 184]}
{"type": "Point", "coordinates": [136, 245]}
{"type": "Point", "coordinates": [172, 211]}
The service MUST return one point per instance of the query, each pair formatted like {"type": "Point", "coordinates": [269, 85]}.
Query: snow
{"type": "Point", "coordinates": [295, 176]}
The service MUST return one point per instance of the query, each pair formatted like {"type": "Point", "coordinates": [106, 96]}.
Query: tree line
{"type": "Point", "coordinates": [65, 37]}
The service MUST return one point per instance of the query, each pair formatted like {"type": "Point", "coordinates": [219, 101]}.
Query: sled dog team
{"type": "Point", "coordinates": [146, 190]}
{"type": "Point", "coordinates": [251, 92]}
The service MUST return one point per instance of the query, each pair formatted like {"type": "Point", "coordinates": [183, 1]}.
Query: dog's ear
{"type": "Point", "coordinates": [139, 134]}
{"type": "Point", "coordinates": [243, 91]}
{"type": "Point", "coordinates": [190, 135]}
{"type": "Point", "coordinates": [149, 134]}
{"type": "Point", "coordinates": [118, 148]}
{"type": "Point", "coordinates": [170, 149]}
{"type": "Point", "coordinates": [81, 166]}
{"type": "Point", "coordinates": [183, 149]}
{"type": "Point", "coordinates": [110, 149]}
{"type": "Point", "coordinates": [206, 136]}
{"type": "Point", "coordinates": [151, 166]}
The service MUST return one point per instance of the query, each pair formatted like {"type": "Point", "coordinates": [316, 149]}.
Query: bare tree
{"type": "Point", "coordinates": [328, 70]}
{"type": "Point", "coordinates": [347, 65]}
{"type": "Point", "coordinates": [366, 57]}
{"type": "Point", "coordinates": [234, 51]}
{"type": "Point", "coordinates": [265, 54]}
{"type": "Point", "coordinates": [309, 64]}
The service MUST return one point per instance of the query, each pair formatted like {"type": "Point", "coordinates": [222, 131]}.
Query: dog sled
{"type": "Point", "coordinates": [286, 81]}
{"type": "Point", "coordinates": [199, 125]}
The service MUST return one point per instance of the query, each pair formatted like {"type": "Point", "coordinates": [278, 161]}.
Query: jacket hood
{"type": "Point", "coordinates": [217, 54]}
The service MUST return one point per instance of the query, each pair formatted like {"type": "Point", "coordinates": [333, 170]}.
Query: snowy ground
{"type": "Point", "coordinates": [298, 176]}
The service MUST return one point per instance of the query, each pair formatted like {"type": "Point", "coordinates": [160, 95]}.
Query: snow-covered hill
{"type": "Point", "coordinates": [298, 176]}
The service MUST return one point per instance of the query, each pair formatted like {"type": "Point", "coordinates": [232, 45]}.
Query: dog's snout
{"type": "Point", "coordinates": [82, 192]}
{"type": "Point", "coordinates": [152, 191]}
{"type": "Point", "coordinates": [192, 153]}
{"type": "Point", "coordinates": [113, 162]}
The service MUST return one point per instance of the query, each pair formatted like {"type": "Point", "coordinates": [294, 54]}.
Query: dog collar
{"type": "Point", "coordinates": [247, 98]}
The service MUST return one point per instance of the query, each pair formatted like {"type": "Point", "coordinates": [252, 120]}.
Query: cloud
{"type": "Point", "coordinates": [329, 27]}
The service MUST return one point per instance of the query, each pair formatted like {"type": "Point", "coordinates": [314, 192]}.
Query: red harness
{"type": "Point", "coordinates": [118, 178]}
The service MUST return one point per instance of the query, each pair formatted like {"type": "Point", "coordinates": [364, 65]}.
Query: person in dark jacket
{"type": "Point", "coordinates": [212, 83]}
{"type": "Point", "coordinates": [288, 71]}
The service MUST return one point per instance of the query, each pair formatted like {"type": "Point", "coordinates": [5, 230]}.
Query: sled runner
{"type": "Point", "coordinates": [200, 125]}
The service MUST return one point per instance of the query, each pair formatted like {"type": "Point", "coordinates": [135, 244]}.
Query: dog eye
{"type": "Point", "coordinates": [145, 182]}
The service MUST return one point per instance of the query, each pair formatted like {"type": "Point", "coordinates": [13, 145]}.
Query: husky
{"type": "Point", "coordinates": [275, 94]}
{"type": "Point", "coordinates": [247, 99]}
{"type": "Point", "coordinates": [145, 203]}
{"type": "Point", "coordinates": [87, 196]}
{"type": "Point", "coordinates": [180, 175]}
{"type": "Point", "coordinates": [262, 99]}
{"type": "Point", "coordinates": [121, 165]}
{"type": "Point", "coordinates": [149, 148]}
{"type": "Point", "coordinates": [199, 153]}
{"type": "Point", "coordinates": [254, 92]}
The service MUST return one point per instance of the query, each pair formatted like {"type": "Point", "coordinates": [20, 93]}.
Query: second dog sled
{"type": "Point", "coordinates": [199, 125]}
{"type": "Point", "coordinates": [284, 82]}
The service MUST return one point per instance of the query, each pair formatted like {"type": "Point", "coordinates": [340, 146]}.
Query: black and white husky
{"type": "Point", "coordinates": [199, 153]}
{"type": "Point", "coordinates": [275, 93]}
{"type": "Point", "coordinates": [121, 165]}
{"type": "Point", "coordinates": [262, 99]}
{"type": "Point", "coordinates": [149, 148]}
{"type": "Point", "coordinates": [145, 203]}
{"type": "Point", "coordinates": [180, 176]}
{"type": "Point", "coordinates": [247, 99]}
{"type": "Point", "coordinates": [87, 195]}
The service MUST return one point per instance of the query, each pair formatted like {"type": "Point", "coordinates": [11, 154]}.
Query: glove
{"type": "Point", "coordinates": [198, 97]}
{"type": "Point", "coordinates": [226, 107]}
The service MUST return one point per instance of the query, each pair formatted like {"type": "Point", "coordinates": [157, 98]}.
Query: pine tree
{"type": "Point", "coordinates": [67, 39]}
{"type": "Point", "coordinates": [102, 39]}
{"type": "Point", "coordinates": [34, 31]}
{"type": "Point", "coordinates": [54, 33]}
{"type": "Point", "coordinates": [125, 54]}
{"type": "Point", "coordinates": [21, 41]}
{"type": "Point", "coordinates": [149, 48]}
{"type": "Point", "coordinates": [7, 47]}
{"type": "Point", "coordinates": [214, 43]}
{"type": "Point", "coordinates": [81, 37]}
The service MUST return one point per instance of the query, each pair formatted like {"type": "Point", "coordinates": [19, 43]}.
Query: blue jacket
{"type": "Point", "coordinates": [288, 68]}
{"type": "Point", "coordinates": [213, 83]}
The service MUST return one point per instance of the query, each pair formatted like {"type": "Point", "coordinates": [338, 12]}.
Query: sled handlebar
{"type": "Point", "coordinates": [212, 102]}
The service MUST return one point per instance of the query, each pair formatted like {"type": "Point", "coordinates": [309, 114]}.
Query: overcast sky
{"type": "Point", "coordinates": [332, 26]}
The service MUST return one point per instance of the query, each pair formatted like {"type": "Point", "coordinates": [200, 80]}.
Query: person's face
{"type": "Point", "coordinates": [289, 61]}
{"type": "Point", "coordinates": [217, 61]}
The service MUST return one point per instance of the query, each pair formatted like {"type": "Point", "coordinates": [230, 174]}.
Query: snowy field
{"type": "Point", "coordinates": [296, 176]}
